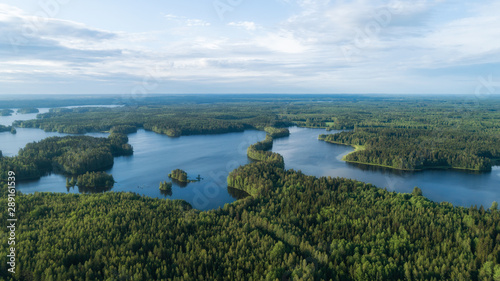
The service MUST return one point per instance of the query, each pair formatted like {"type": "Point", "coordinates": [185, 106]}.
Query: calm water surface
{"type": "Point", "coordinates": [303, 151]}
{"type": "Point", "coordinates": [214, 156]}
{"type": "Point", "coordinates": [210, 156]}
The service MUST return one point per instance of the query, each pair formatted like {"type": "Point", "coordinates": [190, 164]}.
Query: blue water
{"type": "Point", "coordinates": [303, 151]}
{"type": "Point", "coordinates": [214, 156]}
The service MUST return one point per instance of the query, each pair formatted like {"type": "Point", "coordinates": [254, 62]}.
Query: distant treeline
{"type": "Point", "coordinates": [26, 110]}
{"type": "Point", "coordinates": [410, 133]}
{"type": "Point", "coordinates": [173, 121]}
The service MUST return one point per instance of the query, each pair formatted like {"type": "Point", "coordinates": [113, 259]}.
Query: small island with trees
{"type": "Point", "coordinates": [166, 188]}
{"type": "Point", "coordinates": [181, 176]}
{"type": "Point", "coordinates": [27, 110]}
{"type": "Point", "coordinates": [277, 132]}
{"type": "Point", "coordinates": [95, 181]}
{"type": "Point", "coordinates": [178, 175]}
{"type": "Point", "coordinates": [6, 112]}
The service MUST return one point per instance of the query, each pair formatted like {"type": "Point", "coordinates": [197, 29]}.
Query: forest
{"type": "Point", "coordinates": [173, 121]}
{"type": "Point", "coordinates": [26, 110]}
{"type": "Point", "coordinates": [402, 133]}
{"type": "Point", "coordinates": [73, 155]}
{"type": "Point", "coordinates": [178, 175]}
{"type": "Point", "coordinates": [6, 112]}
{"type": "Point", "coordinates": [297, 227]}
{"type": "Point", "coordinates": [7, 129]}
{"type": "Point", "coordinates": [277, 132]}
{"type": "Point", "coordinates": [95, 181]}
{"type": "Point", "coordinates": [292, 226]}
{"type": "Point", "coordinates": [416, 149]}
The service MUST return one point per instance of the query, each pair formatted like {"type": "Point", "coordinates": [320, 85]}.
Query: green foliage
{"type": "Point", "coordinates": [416, 191]}
{"type": "Point", "coordinates": [414, 149]}
{"type": "Point", "coordinates": [277, 132]}
{"type": "Point", "coordinates": [6, 112]}
{"type": "Point", "coordinates": [26, 110]}
{"type": "Point", "coordinates": [7, 129]}
{"type": "Point", "coordinates": [259, 151]}
{"type": "Point", "coordinates": [173, 121]}
{"type": "Point", "coordinates": [269, 164]}
{"type": "Point", "coordinates": [166, 188]}
{"type": "Point", "coordinates": [71, 182]}
{"type": "Point", "coordinates": [410, 133]}
{"type": "Point", "coordinates": [123, 129]}
{"type": "Point", "coordinates": [95, 181]}
{"type": "Point", "coordinates": [178, 175]}
{"type": "Point", "coordinates": [303, 228]}
{"type": "Point", "coordinates": [494, 206]}
{"type": "Point", "coordinates": [71, 155]}
{"type": "Point", "coordinates": [294, 227]}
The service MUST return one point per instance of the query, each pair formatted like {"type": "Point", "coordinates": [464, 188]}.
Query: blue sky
{"type": "Point", "coordinates": [249, 46]}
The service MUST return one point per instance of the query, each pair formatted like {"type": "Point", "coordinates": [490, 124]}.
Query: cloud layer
{"type": "Point", "coordinates": [321, 46]}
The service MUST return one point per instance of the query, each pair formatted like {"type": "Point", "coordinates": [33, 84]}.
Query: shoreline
{"type": "Point", "coordinates": [362, 147]}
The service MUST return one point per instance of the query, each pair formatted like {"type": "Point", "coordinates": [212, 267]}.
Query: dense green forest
{"type": "Point", "coordinates": [292, 227]}
{"type": "Point", "coordinates": [403, 133]}
{"type": "Point", "coordinates": [70, 155]}
{"type": "Point", "coordinates": [173, 121]}
{"type": "Point", "coordinates": [259, 152]}
{"type": "Point", "coordinates": [6, 112]}
{"type": "Point", "coordinates": [26, 110]}
{"type": "Point", "coordinates": [96, 181]}
{"type": "Point", "coordinates": [296, 228]}
{"type": "Point", "coordinates": [7, 129]}
{"type": "Point", "coordinates": [277, 132]}
{"type": "Point", "coordinates": [413, 149]}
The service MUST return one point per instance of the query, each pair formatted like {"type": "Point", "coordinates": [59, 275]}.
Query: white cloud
{"type": "Point", "coordinates": [248, 25]}
{"type": "Point", "coordinates": [186, 21]}
{"type": "Point", "coordinates": [303, 52]}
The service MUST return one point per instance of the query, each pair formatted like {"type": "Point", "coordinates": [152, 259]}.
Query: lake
{"type": "Point", "coordinates": [214, 156]}
{"type": "Point", "coordinates": [155, 156]}
{"type": "Point", "coordinates": [303, 151]}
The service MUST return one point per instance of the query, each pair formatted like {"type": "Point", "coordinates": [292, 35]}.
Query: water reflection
{"type": "Point", "coordinates": [166, 193]}
{"type": "Point", "coordinates": [237, 193]}
{"type": "Point", "coordinates": [84, 189]}
{"type": "Point", "coordinates": [303, 151]}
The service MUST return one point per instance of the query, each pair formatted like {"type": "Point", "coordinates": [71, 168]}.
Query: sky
{"type": "Point", "coordinates": [249, 46]}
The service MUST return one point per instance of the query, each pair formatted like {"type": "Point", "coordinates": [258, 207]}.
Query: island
{"type": "Point", "coordinates": [277, 132]}
{"type": "Point", "coordinates": [181, 176]}
{"type": "Point", "coordinates": [6, 112]}
{"type": "Point", "coordinates": [27, 110]}
{"type": "Point", "coordinates": [70, 155]}
{"type": "Point", "coordinates": [178, 175]}
{"type": "Point", "coordinates": [166, 188]}
{"type": "Point", "coordinates": [95, 181]}
{"type": "Point", "coordinates": [283, 223]}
